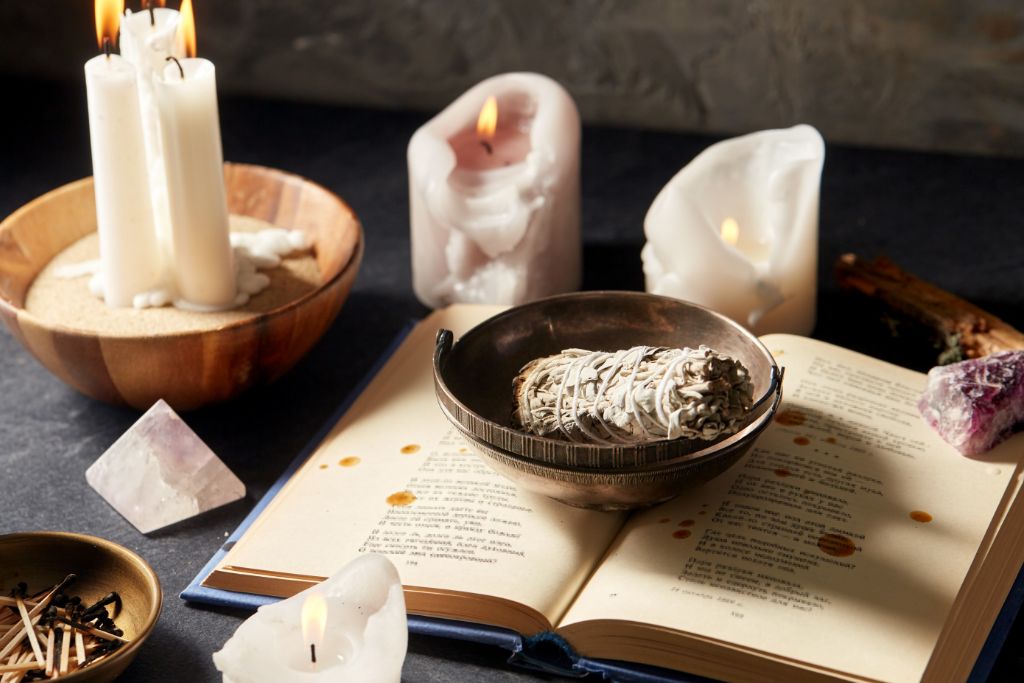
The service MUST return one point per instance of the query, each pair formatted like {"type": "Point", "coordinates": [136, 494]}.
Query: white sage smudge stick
{"type": "Point", "coordinates": [633, 396]}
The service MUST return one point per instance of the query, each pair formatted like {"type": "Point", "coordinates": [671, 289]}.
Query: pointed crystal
{"type": "Point", "coordinates": [159, 472]}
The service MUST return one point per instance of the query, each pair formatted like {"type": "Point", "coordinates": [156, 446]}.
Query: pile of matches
{"type": "Point", "coordinates": [52, 634]}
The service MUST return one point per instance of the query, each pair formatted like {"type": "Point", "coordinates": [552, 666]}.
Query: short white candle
{"type": "Point", "coordinates": [203, 263]}
{"type": "Point", "coordinates": [129, 253]}
{"type": "Point", "coordinates": [355, 622]}
{"type": "Point", "coordinates": [736, 230]}
{"type": "Point", "coordinates": [147, 39]}
{"type": "Point", "coordinates": [495, 215]}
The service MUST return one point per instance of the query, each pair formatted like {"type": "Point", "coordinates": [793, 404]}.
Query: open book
{"type": "Point", "coordinates": [851, 543]}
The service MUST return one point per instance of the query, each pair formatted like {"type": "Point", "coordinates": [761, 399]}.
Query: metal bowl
{"type": "Point", "coordinates": [473, 383]}
{"type": "Point", "coordinates": [44, 558]}
{"type": "Point", "coordinates": [619, 489]}
{"type": "Point", "coordinates": [473, 378]}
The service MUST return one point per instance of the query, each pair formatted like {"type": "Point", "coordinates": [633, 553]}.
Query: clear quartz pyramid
{"type": "Point", "coordinates": [159, 472]}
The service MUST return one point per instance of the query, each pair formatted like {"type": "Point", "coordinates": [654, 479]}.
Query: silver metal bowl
{"type": "Point", "coordinates": [619, 488]}
{"type": "Point", "coordinates": [473, 383]}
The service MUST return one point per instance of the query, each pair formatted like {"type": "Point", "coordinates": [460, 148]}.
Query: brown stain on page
{"type": "Point", "coordinates": [782, 472]}
{"type": "Point", "coordinates": [836, 545]}
{"type": "Point", "coordinates": [410, 449]}
{"type": "Point", "coordinates": [801, 441]}
{"type": "Point", "coordinates": [682, 533]}
{"type": "Point", "coordinates": [401, 498]}
{"type": "Point", "coordinates": [791, 418]}
{"type": "Point", "coordinates": [350, 461]}
{"type": "Point", "coordinates": [921, 516]}
{"type": "Point", "coordinates": [686, 522]}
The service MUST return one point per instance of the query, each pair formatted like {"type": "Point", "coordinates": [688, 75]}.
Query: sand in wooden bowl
{"type": "Point", "coordinates": [69, 303]}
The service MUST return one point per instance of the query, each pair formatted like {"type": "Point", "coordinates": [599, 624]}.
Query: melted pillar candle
{"type": "Point", "coordinates": [129, 253]}
{"type": "Point", "coordinates": [364, 632]}
{"type": "Point", "coordinates": [146, 42]}
{"type": "Point", "coordinates": [194, 164]}
{"type": "Point", "coordinates": [495, 218]}
{"type": "Point", "coordinates": [736, 230]}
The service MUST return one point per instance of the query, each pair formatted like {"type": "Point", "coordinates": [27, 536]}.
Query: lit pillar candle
{"type": "Point", "coordinates": [129, 253]}
{"type": "Point", "coordinates": [494, 195]}
{"type": "Point", "coordinates": [186, 95]}
{"type": "Point", "coordinates": [148, 38]}
{"type": "Point", "coordinates": [736, 230]}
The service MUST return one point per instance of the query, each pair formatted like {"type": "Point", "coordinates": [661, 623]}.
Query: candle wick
{"type": "Point", "coordinates": [106, 46]}
{"type": "Point", "coordinates": [180, 69]}
{"type": "Point", "coordinates": [152, 14]}
{"type": "Point", "coordinates": [487, 146]}
{"type": "Point", "coordinates": [312, 652]}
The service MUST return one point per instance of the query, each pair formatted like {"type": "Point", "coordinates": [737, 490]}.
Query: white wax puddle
{"type": "Point", "coordinates": [253, 251]}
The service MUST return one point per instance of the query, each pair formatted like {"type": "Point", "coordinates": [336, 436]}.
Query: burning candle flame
{"type": "Point", "coordinates": [487, 122]}
{"type": "Point", "coordinates": [108, 19]}
{"type": "Point", "coordinates": [730, 231]}
{"type": "Point", "coordinates": [187, 29]}
{"type": "Point", "coordinates": [314, 619]}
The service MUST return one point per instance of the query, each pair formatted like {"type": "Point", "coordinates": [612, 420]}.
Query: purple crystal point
{"type": "Point", "coordinates": [977, 403]}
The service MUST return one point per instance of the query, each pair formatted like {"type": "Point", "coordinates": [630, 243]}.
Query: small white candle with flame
{"type": "Point", "coordinates": [349, 629]}
{"type": "Point", "coordinates": [129, 253]}
{"type": "Point", "coordinates": [736, 230]}
{"type": "Point", "coordinates": [186, 95]}
{"type": "Point", "coordinates": [494, 207]}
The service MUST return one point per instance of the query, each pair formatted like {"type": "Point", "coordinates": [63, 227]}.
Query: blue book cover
{"type": "Point", "coordinates": [545, 652]}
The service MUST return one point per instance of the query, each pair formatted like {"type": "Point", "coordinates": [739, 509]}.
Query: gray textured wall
{"type": "Point", "coordinates": [926, 74]}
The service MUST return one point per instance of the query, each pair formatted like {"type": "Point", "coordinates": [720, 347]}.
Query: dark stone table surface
{"type": "Point", "coordinates": [955, 220]}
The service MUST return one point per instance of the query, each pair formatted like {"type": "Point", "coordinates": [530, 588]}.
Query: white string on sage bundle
{"type": "Point", "coordinates": [633, 396]}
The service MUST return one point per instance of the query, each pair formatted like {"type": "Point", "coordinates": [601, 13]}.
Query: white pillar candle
{"type": "Point", "coordinates": [147, 39]}
{"type": "Point", "coordinates": [129, 252]}
{"type": "Point", "coordinates": [495, 216]}
{"type": "Point", "coordinates": [203, 263]}
{"type": "Point", "coordinates": [736, 230]}
{"type": "Point", "coordinates": [354, 620]}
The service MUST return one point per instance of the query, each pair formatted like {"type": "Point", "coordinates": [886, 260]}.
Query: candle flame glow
{"type": "Point", "coordinates": [487, 122]}
{"type": "Point", "coordinates": [730, 231]}
{"type": "Point", "coordinates": [108, 19]}
{"type": "Point", "coordinates": [314, 619]}
{"type": "Point", "coordinates": [187, 29]}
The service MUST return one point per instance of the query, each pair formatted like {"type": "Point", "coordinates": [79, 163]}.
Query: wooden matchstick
{"type": "Point", "coordinates": [65, 649]}
{"type": "Point", "coordinates": [29, 628]}
{"type": "Point", "coordinates": [80, 647]}
{"type": "Point", "coordinates": [23, 666]}
{"type": "Point", "coordinates": [49, 651]}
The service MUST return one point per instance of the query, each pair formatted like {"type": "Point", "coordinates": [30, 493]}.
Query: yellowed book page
{"type": "Point", "coordinates": [841, 540]}
{"type": "Point", "coordinates": [393, 477]}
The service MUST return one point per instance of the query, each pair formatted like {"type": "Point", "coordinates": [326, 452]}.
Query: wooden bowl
{"type": "Point", "coordinates": [42, 559]}
{"type": "Point", "coordinates": [186, 369]}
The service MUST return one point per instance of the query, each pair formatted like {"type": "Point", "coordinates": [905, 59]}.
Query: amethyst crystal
{"type": "Point", "coordinates": [976, 403]}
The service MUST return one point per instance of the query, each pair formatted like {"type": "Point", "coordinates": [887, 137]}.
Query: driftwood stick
{"type": "Point", "coordinates": [965, 330]}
